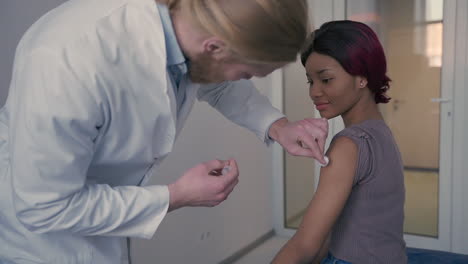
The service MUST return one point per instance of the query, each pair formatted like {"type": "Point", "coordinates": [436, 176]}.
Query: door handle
{"type": "Point", "coordinates": [441, 100]}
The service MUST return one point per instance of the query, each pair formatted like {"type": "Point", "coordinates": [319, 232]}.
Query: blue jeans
{"type": "Point", "coordinates": [330, 259]}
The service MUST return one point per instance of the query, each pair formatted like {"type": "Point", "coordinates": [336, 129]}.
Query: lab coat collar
{"type": "Point", "coordinates": [175, 55]}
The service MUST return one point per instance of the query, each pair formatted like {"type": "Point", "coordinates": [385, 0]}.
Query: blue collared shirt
{"type": "Point", "coordinates": [176, 61]}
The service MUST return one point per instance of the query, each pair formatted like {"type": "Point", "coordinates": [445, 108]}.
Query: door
{"type": "Point", "coordinates": [413, 35]}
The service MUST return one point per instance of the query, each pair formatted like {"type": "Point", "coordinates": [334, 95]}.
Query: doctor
{"type": "Point", "coordinates": [99, 93]}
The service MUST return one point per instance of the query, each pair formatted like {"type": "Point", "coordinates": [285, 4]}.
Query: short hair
{"type": "Point", "coordinates": [358, 50]}
{"type": "Point", "coordinates": [261, 31]}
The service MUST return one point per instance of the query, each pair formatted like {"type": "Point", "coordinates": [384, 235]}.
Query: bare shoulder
{"type": "Point", "coordinates": [343, 153]}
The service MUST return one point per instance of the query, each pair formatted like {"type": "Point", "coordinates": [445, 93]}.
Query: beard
{"type": "Point", "coordinates": [204, 69]}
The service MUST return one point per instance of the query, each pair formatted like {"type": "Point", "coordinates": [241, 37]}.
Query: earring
{"type": "Point", "coordinates": [362, 84]}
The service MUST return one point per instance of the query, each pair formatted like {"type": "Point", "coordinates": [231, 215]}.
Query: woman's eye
{"type": "Point", "coordinates": [326, 80]}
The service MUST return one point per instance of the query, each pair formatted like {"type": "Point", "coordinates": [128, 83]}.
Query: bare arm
{"type": "Point", "coordinates": [323, 251]}
{"type": "Point", "coordinates": [336, 181]}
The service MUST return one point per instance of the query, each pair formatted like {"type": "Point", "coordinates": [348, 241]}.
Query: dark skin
{"type": "Point", "coordinates": [335, 93]}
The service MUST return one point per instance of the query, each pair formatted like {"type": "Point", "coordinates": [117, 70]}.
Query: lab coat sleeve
{"type": "Point", "coordinates": [55, 121]}
{"type": "Point", "coordinates": [243, 104]}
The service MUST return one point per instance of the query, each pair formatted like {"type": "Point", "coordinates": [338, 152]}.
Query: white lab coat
{"type": "Point", "coordinates": [90, 115]}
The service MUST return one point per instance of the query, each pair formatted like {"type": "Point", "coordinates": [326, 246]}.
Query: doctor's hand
{"type": "Point", "coordinates": [204, 185]}
{"type": "Point", "coordinates": [302, 138]}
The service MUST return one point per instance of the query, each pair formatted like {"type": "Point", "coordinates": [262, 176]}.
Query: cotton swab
{"type": "Point", "coordinates": [327, 160]}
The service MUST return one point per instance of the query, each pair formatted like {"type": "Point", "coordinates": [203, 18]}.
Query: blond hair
{"type": "Point", "coordinates": [261, 31]}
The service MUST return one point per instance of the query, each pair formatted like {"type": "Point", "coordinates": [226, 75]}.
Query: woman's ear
{"type": "Point", "coordinates": [361, 82]}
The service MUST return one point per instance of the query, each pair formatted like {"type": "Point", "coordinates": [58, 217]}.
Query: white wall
{"type": "Point", "coordinates": [188, 235]}
{"type": "Point", "coordinates": [299, 171]}
{"type": "Point", "coordinates": [462, 221]}
{"type": "Point", "coordinates": [463, 244]}
{"type": "Point", "coordinates": [460, 144]}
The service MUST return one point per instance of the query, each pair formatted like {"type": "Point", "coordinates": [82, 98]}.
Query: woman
{"type": "Point", "coordinates": [356, 214]}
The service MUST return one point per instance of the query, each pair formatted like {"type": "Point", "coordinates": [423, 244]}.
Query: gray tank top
{"type": "Point", "coordinates": [370, 227]}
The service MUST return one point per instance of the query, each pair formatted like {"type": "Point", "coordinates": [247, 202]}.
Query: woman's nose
{"type": "Point", "coordinates": [315, 91]}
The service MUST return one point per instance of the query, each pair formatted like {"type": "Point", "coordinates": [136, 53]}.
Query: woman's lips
{"type": "Point", "coordinates": [321, 106]}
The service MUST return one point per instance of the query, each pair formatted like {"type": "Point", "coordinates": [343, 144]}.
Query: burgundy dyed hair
{"type": "Point", "coordinates": [356, 47]}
